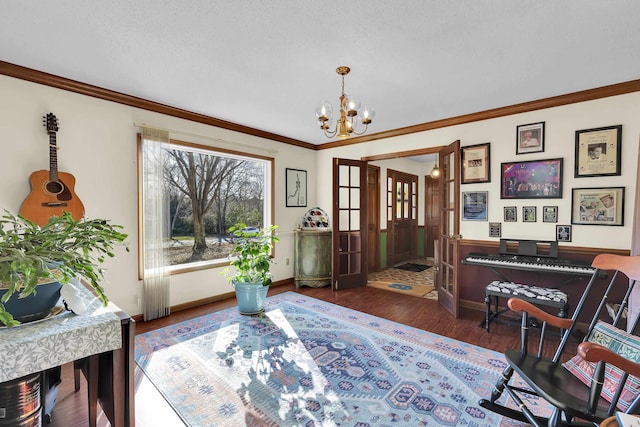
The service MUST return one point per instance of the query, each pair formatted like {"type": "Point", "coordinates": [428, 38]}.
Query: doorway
{"type": "Point", "coordinates": [402, 222]}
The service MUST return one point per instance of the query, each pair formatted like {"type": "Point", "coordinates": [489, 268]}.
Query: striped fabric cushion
{"type": "Point", "coordinates": [620, 342]}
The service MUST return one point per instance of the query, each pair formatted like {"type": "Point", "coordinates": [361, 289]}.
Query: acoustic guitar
{"type": "Point", "coordinates": [51, 191]}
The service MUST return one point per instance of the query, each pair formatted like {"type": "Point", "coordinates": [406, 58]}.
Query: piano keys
{"type": "Point", "coordinates": [529, 255]}
{"type": "Point", "coordinates": [529, 263]}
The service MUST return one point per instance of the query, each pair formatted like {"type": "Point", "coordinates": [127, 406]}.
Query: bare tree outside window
{"type": "Point", "coordinates": [207, 192]}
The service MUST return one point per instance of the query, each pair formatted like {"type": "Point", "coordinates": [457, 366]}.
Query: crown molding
{"type": "Point", "coordinates": [554, 101]}
{"type": "Point", "coordinates": [47, 79]}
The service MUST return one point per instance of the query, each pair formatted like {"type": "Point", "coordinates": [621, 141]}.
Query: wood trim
{"type": "Point", "coordinates": [221, 297]}
{"type": "Point", "coordinates": [554, 101]}
{"type": "Point", "coordinates": [582, 250]}
{"type": "Point", "coordinates": [399, 154]}
{"type": "Point", "coordinates": [47, 79]}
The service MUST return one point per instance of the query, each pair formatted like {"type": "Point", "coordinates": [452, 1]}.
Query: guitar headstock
{"type": "Point", "coordinates": [51, 123]}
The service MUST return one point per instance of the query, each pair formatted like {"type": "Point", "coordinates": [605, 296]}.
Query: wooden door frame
{"type": "Point", "coordinates": [374, 195]}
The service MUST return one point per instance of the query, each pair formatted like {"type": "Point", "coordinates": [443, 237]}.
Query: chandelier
{"type": "Point", "coordinates": [351, 115]}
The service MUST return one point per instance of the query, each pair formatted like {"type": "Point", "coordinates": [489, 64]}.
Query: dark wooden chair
{"type": "Point", "coordinates": [579, 393]}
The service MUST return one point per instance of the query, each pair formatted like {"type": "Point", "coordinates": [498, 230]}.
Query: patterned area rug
{"type": "Point", "coordinates": [306, 362]}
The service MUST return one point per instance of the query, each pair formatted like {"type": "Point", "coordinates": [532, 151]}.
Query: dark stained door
{"type": "Point", "coordinates": [349, 224]}
{"type": "Point", "coordinates": [405, 217]}
{"type": "Point", "coordinates": [449, 254]}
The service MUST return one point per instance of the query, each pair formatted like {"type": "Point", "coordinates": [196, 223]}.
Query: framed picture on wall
{"type": "Point", "coordinates": [529, 214]}
{"type": "Point", "coordinates": [598, 151]}
{"type": "Point", "coordinates": [475, 163]}
{"type": "Point", "coordinates": [474, 205]}
{"type": "Point", "coordinates": [510, 214]}
{"type": "Point", "coordinates": [549, 214]}
{"type": "Point", "coordinates": [495, 229]}
{"type": "Point", "coordinates": [597, 206]}
{"type": "Point", "coordinates": [296, 187]}
{"type": "Point", "coordinates": [563, 233]}
{"type": "Point", "coordinates": [530, 138]}
{"type": "Point", "coordinates": [535, 179]}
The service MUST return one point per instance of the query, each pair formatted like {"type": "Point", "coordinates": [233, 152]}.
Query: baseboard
{"type": "Point", "coordinates": [204, 301]}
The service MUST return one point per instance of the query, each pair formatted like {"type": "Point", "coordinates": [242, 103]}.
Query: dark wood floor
{"type": "Point", "coordinates": [71, 409]}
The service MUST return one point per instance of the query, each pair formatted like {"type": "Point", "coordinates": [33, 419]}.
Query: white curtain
{"type": "Point", "coordinates": [154, 225]}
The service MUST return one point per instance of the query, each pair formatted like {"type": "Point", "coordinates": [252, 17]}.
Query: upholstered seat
{"type": "Point", "coordinates": [533, 294]}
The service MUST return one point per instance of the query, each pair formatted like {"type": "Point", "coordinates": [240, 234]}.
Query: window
{"type": "Point", "coordinates": [203, 191]}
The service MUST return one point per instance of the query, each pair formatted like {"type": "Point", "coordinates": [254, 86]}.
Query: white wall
{"type": "Point", "coordinates": [560, 126]}
{"type": "Point", "coordinates": [97, 144]}
{"type": "Point", "coordinates": [97, 141]}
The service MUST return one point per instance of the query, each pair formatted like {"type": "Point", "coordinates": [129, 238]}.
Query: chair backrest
{"type": "Point", "coordinates": [629, 265]}
{"type": "Point", "coordinates": [615, 264]}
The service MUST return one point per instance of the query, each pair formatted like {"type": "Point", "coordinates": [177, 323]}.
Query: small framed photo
{"type": "Point", "coordinates": [510, 214]}
{"type": "Point", "coordinates": [476, 163]}
{"type": "Point", "coordinates": [296, 187]}
{"type": "Point", "coordinates": [549, 214]}
{"type": "Point", "coordinates": [598, 151]}
{"type": "Point", "coordinates": [530, 138]}
{"type": "Point", "coordinates": [495, 229]}
{"type": "Point", "coordinates": [474, 205]}
{"type": "Point", "coordinates": [563, 233]}
{"type": "Point", "coordinates": [529, 214]}
{"type": "Point", "coordinates": [597, 206]}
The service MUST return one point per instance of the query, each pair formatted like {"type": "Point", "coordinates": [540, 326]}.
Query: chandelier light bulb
{"type": "Point", "coordinates": [324, 111]}
{"type": "Point", "coordinates": [352, 106]}
{"type": "Point", "coordinates": [350, 114]}
{"type": "Point", "coordinates": [367, 114]}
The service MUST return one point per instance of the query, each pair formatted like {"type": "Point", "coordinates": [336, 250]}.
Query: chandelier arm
{"type": "Point", "coordinates": [331, 134]}
{"type": "Point", "coordinates": [360, 133]}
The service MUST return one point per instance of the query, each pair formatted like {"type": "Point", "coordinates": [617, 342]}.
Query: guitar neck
{"type": "Point", "coordinates": [53, 158]}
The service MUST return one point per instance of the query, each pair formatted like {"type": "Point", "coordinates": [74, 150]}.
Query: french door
{"type": "Point", "coordinates": [349, 224]}
{"type": "Point", "coordinates": [448, 247]}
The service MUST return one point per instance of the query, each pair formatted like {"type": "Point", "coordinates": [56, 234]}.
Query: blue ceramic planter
{"type": "Point", "coordinates": [250, 297]}
{"type": "Point", "coordinates": [35, 306]}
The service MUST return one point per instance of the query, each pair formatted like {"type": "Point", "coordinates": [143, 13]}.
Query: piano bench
{"type": "Point", "coordinates": [533, 294]}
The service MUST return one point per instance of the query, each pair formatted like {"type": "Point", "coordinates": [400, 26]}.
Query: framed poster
{"type": "Point", "coordinates": [598, 151]}
{"type": "Point", "coordinates": [563, 233]}
{"type": "Point", "coordinates": [510, 214]}
{"type": "Point", "coordinates": [530, 138]}
{"type": "Point", "coordinates": [474, 205]}
{"type": "Point", "coordinates": [495, 229]}
{"type": "Point", "coordinates": [475, 163]}
{"type": "Point", "coordinates": [549, 214]}
{"type": "Point", "coordinates": [296, 187]}
{"type": "Point", "coordinates": [597, 206]}
{"type": "Point", "coordinates": [529, 214]}
{"type": "Point", "coordinates": [536, 179]}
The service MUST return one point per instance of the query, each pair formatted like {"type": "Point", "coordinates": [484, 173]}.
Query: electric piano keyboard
{"type": "Point", "coordinates": [529, 263]}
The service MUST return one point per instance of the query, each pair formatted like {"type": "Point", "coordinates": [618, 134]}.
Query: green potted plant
{"type": "Point", "coordinates": [31, 257]}
{"type": "Point", "coordinates": [251, 257]}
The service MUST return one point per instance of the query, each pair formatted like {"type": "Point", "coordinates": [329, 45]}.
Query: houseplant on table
{"type": "Point", "coordinates": [251, 257]}
{"type": "Point", "coordinates": [31, 257]}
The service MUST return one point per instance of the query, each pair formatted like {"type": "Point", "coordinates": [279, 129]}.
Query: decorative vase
{"type": "Point", "coordinates": [251, 297]}
{"type": "Point", "coordinates": [36, 306]}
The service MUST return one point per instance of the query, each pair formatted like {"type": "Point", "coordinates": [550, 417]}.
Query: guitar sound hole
{"type": "Point", "coordinates": [54, 187]}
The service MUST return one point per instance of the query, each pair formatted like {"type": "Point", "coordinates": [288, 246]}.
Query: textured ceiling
{"type": "Point", "coordinates": [267, 64]}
